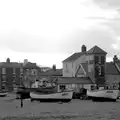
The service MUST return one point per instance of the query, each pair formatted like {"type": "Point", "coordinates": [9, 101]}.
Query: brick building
{"type": "Point", "coordinates": [10, 73]}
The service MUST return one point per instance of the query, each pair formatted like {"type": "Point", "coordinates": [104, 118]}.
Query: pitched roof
{"type": "Point", "coordinates": [111, 69]}
{"type": "Point", "coordinates": [10, 65]}
{"type": "Point", "coordinates": [96, 50]}
{"type": "Point", "coordinates": [74, 80]}
{"type": "Point", "coordinates": [74, 56]}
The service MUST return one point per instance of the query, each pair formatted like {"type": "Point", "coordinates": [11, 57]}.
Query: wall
{"type": "Point", "coordinates": [81, 59]}
{"type": "Point", "coordinates": [111, 78]}
{"type": "Point", "coordinates": [89, 57]}
{"type": "Point", "coordinates": [76, 87]}
{"type": "Point", "coordinates": [68, 69]}
{"type": "Point", "coordinates": [9, 75]}
{"type": "Point", "coordinates": [71, 69]}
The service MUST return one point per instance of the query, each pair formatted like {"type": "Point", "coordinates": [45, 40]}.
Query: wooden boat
{"type": "Point", "coordinates": [103, 95]}
{"type": "Point", "coordinates": [64, 96]}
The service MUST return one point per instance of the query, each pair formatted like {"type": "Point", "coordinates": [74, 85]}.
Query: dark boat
{"type": "Point", "coordinates": [25, 92]}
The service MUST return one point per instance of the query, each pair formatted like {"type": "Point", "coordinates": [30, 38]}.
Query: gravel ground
{"type": "Point", "coordinates": [75, 110]}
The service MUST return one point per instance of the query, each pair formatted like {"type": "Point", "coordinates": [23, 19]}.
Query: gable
{"type": "Point", "coordinates": [80, 71]}
{"type": "Point", "coordinates": [96, 50]}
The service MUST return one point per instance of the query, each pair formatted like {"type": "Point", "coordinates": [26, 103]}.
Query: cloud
{"type": "Point", "coordinates": [108, 3]}
{"type": "Point", "coordinates": [58, 26]}
{"type": "Point", "coordinates": [116, 45]}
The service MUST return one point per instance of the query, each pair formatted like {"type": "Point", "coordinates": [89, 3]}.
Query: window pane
{"type": "Point", "coordinates": [102, 71]}
{"type": "Point", "coordinates": [102, 59]}
{"type": "Point", "coordinates": [96, 59]}
{"type": "Point", "coordinates": [13, 70]}
{"type": "Point", "coordinates": [21, 70]}
{"type": "Point", "coordinates": [3, 70]}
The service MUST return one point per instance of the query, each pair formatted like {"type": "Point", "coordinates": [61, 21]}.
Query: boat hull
{"type": "Point", "coordinates": [3, 94]}
{"type": "Point", "coordinates": [103, 95]}
{"type": "Point", "coordinates": [53, 97]}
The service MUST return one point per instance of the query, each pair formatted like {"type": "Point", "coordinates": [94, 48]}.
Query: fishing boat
{"type": "Point", "coordinates": [103, 94]}
{"type": "Point", "coordinates": [64, 96]}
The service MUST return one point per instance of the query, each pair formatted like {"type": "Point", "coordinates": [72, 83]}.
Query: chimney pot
{"type": "Point", "coordinates": [83, 48]}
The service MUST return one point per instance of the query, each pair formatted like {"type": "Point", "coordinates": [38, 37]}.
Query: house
{"type": "Point", "coordinates": [89, 63]}
{"type": "Point", "coordinates": [75, 83]}
{"type": "Point", "coordinates": [112, 74]}
{"type": "Point", "coordinates": [11, 73]}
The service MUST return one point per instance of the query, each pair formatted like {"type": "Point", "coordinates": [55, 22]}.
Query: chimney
{"type": "Point", "coordinates": [25, 61]}
{"type": "Point", "coordinates": [83, 48]}
{"type": "Point", "coordinates": [54, 67]}
{"type": "Point", "coordinates": [8, 60]}
{"type": "Point", "coordinates": [115, 59]}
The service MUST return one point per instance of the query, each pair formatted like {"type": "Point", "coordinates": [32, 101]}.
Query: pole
{"type": "Point", "coordinates": [21, 99]}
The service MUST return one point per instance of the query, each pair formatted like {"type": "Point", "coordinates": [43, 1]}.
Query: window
{"type": "Point", "coordinates": [102, 71]}
{"type": "Point", "coordinates": [3, 70]}
{"type": "Point", "coordinates": [13, 70]}
{"type": "Point", "coordinates": [96, 59]}
{"type": "Point", "coordinates": [62, 87]}
{"type": "Point", "coordinates": [72, 64]}
{"type": "Point", "coordinates": [21, 70]}
{"type": "Point", "coordinates": [102, 60]}
{"type": "Point", "coordinates": [96, 71]}
{"type": "Point", "coordinates": [66, 65]}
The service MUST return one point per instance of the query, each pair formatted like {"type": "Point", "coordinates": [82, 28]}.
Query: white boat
{"type": "Point", "coordinates": [104, 94]}
{"type": "Point", "coordinates": [3, 94]}
{"type": "Point", "coordinates": [64, 96]}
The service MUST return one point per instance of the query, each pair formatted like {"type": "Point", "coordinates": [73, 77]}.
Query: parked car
{"type": "Point", "coordinates": [82, 94]}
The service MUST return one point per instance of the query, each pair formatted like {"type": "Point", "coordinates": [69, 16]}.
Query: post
{"type": "Point", "coordinates": [21, 99]}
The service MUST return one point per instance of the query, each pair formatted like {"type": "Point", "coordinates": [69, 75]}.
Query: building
{"type": "Point", "coordinates": [112, 71]}
{"type": "Point", "coordinates": [14, 73]}
{"type": "Point", "coordinates": [89, 63]}
{"type": "Point", "coordinates": [75, 83]}
{"type": "Point", "coordinates": [51, 73]}
{"type": "Point", "coordinates": [31, 72]}
{"type": "Point", "coordinates": [11, 73]}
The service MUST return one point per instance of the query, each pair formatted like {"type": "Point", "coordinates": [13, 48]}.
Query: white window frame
{"type": "Point", "coordinates": [3, 70]}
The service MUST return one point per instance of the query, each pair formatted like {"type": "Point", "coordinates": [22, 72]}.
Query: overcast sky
{"type": "Point", "coordinates": [48, 31]}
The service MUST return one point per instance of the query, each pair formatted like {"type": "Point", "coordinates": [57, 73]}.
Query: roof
{"type": "Point", "coordinates": [10, 65]}
{"type": "Point", "coordinates": [85, 66]}
{"type": "Point", "coordinates": [51, 72]}
{"type": "Point", "coordinates": [30, 65]}
{"type": "Point", "coordinates": [96, 50]}
{"type": "Point", "coordinates": [111, 69]}
{"type": "Point", "coordinates": [74, 80]}
{"type": "Point", "coordinates": [74, 56]}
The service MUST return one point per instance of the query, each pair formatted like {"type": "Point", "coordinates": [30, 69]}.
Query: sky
{"type": "Point", "coordinates": [49, 31]}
